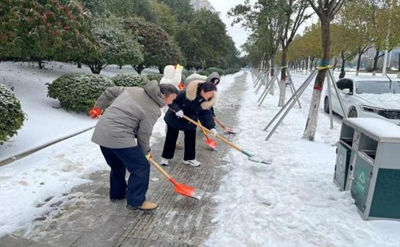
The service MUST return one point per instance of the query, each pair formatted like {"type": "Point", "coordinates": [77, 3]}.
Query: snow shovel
{"type": "Point", "coordinates": [249, 156]}
{"type": "Point", "coordinates": [182, 189]}
{"type": "Point", "coordinates": [209, 142]}
{"type": "Point", "coordinates": [228, 130]}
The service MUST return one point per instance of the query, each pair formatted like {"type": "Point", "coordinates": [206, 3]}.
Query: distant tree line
{"type": "Point", "coordinates": [96, 33]}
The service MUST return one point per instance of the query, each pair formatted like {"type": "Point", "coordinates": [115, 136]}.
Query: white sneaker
{"type": "Point", "coordinates": [164, 162]}
{"type": "Point", "coordinates": [192, 162]}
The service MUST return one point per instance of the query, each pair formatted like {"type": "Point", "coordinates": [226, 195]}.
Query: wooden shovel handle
{"type": "Point", "coordinates": [202, 130]}
{"type": "Point", "coordinates": [218, 136]}
{"type": "Point", "coordinates": [159, 168]}
{"type": "Point", "coordinates": [219, 122]}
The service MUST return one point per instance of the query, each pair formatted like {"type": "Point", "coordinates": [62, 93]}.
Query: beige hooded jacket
{"type": "Point", "coordinates": [131, 115]}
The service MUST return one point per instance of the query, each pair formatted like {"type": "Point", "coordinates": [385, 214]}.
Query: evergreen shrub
{"type": "Point", "coordinates": [210, 70]}
{"type": "Point", "coordinates": [77, 91]}
{"type": "Point", "coordinates": [11, 114]}
{"type": "Point", "coordinates": [130, 80]}
{"type": "Point", "coordinates": [154, 76]}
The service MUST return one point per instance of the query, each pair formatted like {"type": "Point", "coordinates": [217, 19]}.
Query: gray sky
{"type": "Point", "coordinates": [238, 34]}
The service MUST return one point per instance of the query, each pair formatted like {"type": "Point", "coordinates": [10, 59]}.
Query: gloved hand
{"type": "Point", "coordinates": [179, 113]}
{"type": "Point", "coordinates": [95, 112]}
{"type": "Point", "coordinates": [149, 156]}
{"type": "Point", "coordinates": [214, 132]}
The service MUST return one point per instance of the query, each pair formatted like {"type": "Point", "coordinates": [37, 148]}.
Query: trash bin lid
{"type": "Point", "coordinates": [377, 129]}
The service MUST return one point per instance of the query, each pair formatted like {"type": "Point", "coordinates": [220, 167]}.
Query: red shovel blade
{"type": "Point", "coordinates": [211, 143]}
{"type": "Point", "coordinates": [186, 190]}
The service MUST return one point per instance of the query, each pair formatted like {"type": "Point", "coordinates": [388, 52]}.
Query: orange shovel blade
{"type": "Point", "coordinates": [186, 190]}
{"type": "Point", "coordinates": [211, 143]}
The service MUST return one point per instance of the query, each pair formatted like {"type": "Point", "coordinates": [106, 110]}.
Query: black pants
{"type": "Point", "coordinates": [133, 160]}
{"type": "Point", "coordinates": [170, 143]}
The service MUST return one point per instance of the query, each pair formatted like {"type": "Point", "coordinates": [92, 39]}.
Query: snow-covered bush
{"type": "Point", "coordinates": [231, 71]}
{"type": "Point", "coordinates": [11, 114]}
{"type": "Point", "coordinates": [203, 72]}
{"type": "Point", "coordinates": [154, 76]}
{"type": "Point", "coordinates": [183, 77]}
{"type": "Point", "coordinates": [186, 73]}
{"type": "Point", "coordinates": [221, 72]}
{"type": "Point", "coordinates": [78, 92]}
{"type": "Point", "coordinates": [130, 80]}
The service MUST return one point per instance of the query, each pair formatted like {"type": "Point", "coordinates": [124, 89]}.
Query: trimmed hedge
{"type": "Point", "coordinates": [203, 72]}
{"type": "Point", "coordinates": [221, 72]}
{"type": "Point", "coordinates": [232, 71]}
{"type": "Point", "coordinates": [11, 115]}
{"type": "Point", "coordinates": [130, 80]}
{"type": "Point", "coordinates": [78, 92]}
{"type": "Point", "coordinates": [186, 73]}
{"type": "Point", "coordinates": [155, 76]}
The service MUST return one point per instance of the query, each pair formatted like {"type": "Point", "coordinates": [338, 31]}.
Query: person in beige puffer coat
{"type": "Point", "coordinates": [123, 134]}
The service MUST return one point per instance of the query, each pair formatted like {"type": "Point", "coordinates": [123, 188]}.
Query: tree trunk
{"type": "Point", "coordinates": [358, 61]}
{"type": "Point", "coordinates": [139, 68]}
{"type": "Point", "coordinates": [79, 65]}
{"type": "Point", "coordinates": [40, 63]}
{"type": "Point", "coordinates": [335, 63]}
{"type": "Point", "coordinates": [343, 61]}
{"type": "Point", "coordinates": [96, 68]}
{"type": "Point", "coordinates": [272, 73]}
{"type": "Point", "coordinates": [398, 67]}
{"type": "Point", "coordinates": [282, 83]}
{"type": "Point", "coordinates": [312, 120]}
{"type": "Point", "coordinates": [161, 69]}
{"type": "Point", "coordinates": [376, 59]}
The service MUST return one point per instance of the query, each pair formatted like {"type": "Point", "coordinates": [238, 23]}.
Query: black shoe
{"type": "Point", "coordinates": [118, 199]}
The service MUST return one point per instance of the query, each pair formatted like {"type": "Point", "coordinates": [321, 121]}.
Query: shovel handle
{"type": "Point", "coordinates": [218, 136]}
{"type": "Point", "coordinates": [204, 132]}
{"type": "Point", "coordinates": [159, 168]}
{"type": "Point", "coordinates": [219, 122]}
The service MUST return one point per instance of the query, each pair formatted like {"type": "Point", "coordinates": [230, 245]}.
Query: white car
{"type": "Point", "coordinates": [371, 98]}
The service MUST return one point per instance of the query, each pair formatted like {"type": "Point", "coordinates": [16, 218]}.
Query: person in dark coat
{"type": "Point", "coordinates": [197, 97]}
{"type": "Point", "coordinates": [123, 134]}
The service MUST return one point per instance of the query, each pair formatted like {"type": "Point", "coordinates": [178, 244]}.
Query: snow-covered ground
{"type": "Point", "coordinates": [29, 85]}
{"type": "Point", "coordinates": [291, 202]}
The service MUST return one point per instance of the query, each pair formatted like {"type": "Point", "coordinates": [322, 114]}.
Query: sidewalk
{"type": "Point", "coordinates": [88, 218]}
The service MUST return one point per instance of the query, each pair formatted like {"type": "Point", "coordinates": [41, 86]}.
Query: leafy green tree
{"type": "Point", "coordinates": [111, 44]}
{"type": "Point", "coordinates": [41, 29]}
{"type": "Point", "coordinates": [204, 39]}
{"type": "Point", "coordinates": [181, 9]}
{"type": "Point", "coordinates": [355, 15]}
{"type": "Point", "coordinates": [383, 28]}
{"type": "Point", "coordinates": [95, 7]}
{"type": "Point", "coordinates": [159, 49]}
{"type": "Point", "coordinates": [164, 17]}
{"type": "Point", "coordinates": [130, 8]}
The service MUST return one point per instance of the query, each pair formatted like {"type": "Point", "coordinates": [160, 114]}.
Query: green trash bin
{"type": "Point", "coordinates": [374, 169]}
{"type": "Point", "coordinates": [342, 164]}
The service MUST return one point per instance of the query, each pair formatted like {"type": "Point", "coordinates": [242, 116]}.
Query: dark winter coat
{"type": "Point", "coordinates": [192, 104]}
